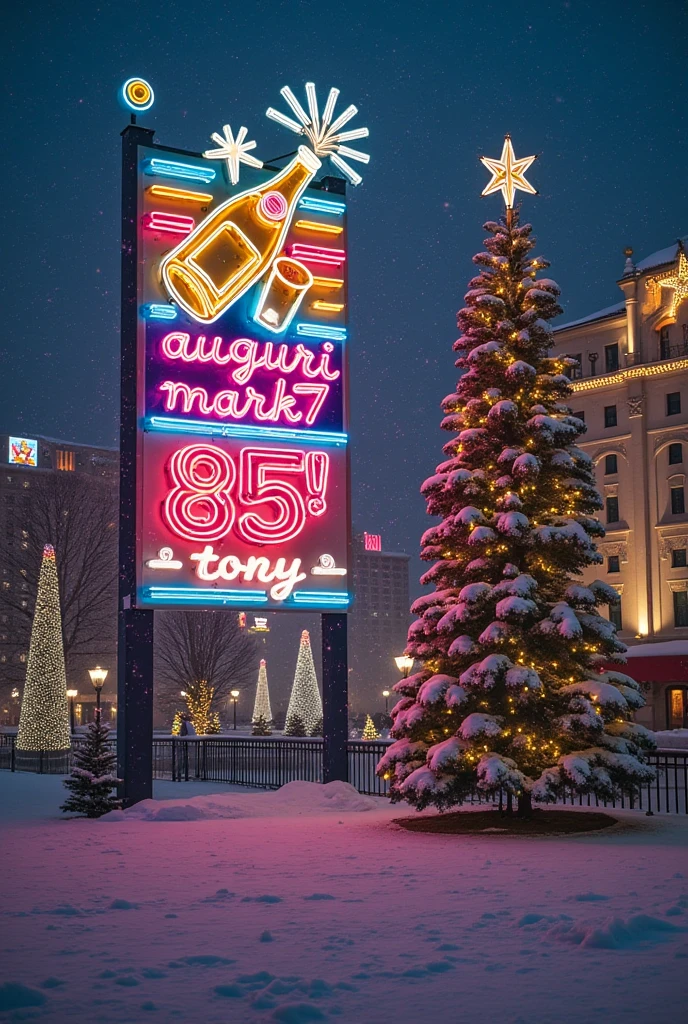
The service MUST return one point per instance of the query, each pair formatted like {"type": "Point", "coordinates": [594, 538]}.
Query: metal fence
{"type": "Point", "coordinates": [270, 762]}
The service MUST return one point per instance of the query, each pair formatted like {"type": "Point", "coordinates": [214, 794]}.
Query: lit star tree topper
{"type": "Point", "coordinates": [678, 280]}
{"type": "Point", "coordinates": [234, 151]}
{"type": "Point", "coordinates": [508, 174]}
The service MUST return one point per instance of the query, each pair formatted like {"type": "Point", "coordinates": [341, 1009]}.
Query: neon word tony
{"type": "Point", "coordinates": [248, 357]}
{"type": "Point", "coordinates": [259, 568]}
{"type": "Point", "coordinates": [202, 503]}
{"type": "Point", "coordinates": [227, 404]}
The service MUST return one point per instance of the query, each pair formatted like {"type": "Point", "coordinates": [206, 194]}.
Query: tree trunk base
{"type": "Point", "coordinates": [525, 806]}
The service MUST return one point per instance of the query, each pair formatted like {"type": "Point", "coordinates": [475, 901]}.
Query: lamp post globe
{"type": "Point", "coordinates": [235, 696]}
{"type": "Point", "coordinates": [98, 676]}
{"type": "Point", "coordinates": [71, 694]}
{"type": "Point", "coordinates": [404, 663]}
{"type": "Point", "coordinates": [385, 694]}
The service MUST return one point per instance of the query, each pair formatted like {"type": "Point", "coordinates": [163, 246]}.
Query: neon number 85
{"type": "Point", "coordinates": [263, 483]}
{"type": "Point", "coordinates": [198, 506]}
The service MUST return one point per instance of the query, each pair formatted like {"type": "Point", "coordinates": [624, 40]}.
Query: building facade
{"type": "Point", "coordinates": [631, 389]}
{"type": "Point", "coordinates": [378, 621]}
{"type": "Point", "coordinates": [26, 462]}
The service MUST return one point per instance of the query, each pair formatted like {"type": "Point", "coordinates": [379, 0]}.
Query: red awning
{"type": "Point", "coordinates": [665, 668]}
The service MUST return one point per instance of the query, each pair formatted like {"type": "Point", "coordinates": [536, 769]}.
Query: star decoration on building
{"type": "Point", "coordinates": [678, 281]}
{"type": "Point", "coordinates": [323, 130]}
{"type": "Point", "coordinates": [508, 174]}
{"type": "Point", "coordinates": [234, 151]}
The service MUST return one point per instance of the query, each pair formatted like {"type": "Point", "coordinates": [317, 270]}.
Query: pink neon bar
{"type": "Point", "coordinates": [175, 224]}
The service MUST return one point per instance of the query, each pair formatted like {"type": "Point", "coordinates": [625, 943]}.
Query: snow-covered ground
{"type": "Point", "coordinates": [309, 904]}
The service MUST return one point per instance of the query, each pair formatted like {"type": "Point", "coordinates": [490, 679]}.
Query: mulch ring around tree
{"type": "Point", "coordinates": [541, 823]}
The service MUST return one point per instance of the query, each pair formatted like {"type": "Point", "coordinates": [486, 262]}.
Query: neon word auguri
{"type": "Point", "coordinates": [259, 568]}
{"type": "Point", "coordinates": [245, 356]}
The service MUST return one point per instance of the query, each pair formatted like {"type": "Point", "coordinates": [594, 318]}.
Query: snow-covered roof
{"type": "Point", "coordinates": [601, 314]}
{"type": "Point", "coordinates": [657, 259]}
{"type": "Point", "coordinates": [665, 648]}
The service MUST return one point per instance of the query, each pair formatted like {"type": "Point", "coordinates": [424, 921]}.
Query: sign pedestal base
{"type": "Point", "coordinates": [335, 698]}
{"type": "Point", "coordinates": [135, 705]}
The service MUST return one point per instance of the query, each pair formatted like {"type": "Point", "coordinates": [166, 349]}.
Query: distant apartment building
{"type": "Point", "coordinates": [23, 462]}
{"type": "Point", "coordinates": [378, 621]}
{"type": "Point", "coordinates": [631, 389]}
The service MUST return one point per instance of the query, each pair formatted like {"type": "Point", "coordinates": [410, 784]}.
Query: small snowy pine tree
{"type": "Point", "coordinates": [513, 694]}
{"type": "Point", "coordinates": [295, 726]}
{"type": "Point", "coordinates": [94, 774]}
{"type": "Point", "coordinates": [261, 727]}
{"type": "Point", "coordinates": [304, 702]}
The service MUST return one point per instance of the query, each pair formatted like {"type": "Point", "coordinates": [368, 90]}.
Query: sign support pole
{"type": "Point", "coordinates": [335, 698]}
{"type": "Point", "coordinates": [135, 626]}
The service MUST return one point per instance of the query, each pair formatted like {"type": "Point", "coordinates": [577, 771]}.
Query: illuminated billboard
{"type": "Point", "coordinates": [23, 451]}
{"type": "Point", "coordinates": [243, 491]}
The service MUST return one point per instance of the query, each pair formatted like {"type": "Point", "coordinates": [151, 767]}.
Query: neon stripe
{"type": "Point", "coordinates": [173, 223]}
{"type": "Point", "coordinates": [234, 430]}
{"type": "Point", "coordinates": [328, 282]}
{"type": "Point", "coordinates": [173, 169]}
{"type": "Point", "coordinates": [322, 206]}
{"type": "Point", "coordinates": [319, 227]}
{"type": "Point", "coordinates": [206, 595]}
{"type": "Point", "coordinates": [159, 311]}
{"type": "Point", "coordinates": [182, 194]}
{"type": "Point", "coordinates": [321, 331]}
{"type": "Point", "coordinates": [328, 307]}
{"type": "Point", "coordinates": [317, 254]}
{"type": "Point", "coordinates": [321, 597]}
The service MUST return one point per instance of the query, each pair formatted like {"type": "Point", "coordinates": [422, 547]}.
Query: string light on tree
{"type": "Point", "coordinates": [508, 174]}
{"type": "Point", "coordinates": [44, 716]}
{"type": "Point", "coordinates": [305, 703]}
{"type": "Point", "coordinates": [369, 730]}
{"type": "Point", "coordinates": [261, 706]}
{"type": "Point", "coordinates": [515, 693]}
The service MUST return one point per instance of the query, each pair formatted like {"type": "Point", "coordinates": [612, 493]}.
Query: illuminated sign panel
{"type": "Point", "coordinates": [23, 451]}
{"type": "Point", "coordinates": [243, 495]}
{"type": "Point", "coordinates": [372, 542]}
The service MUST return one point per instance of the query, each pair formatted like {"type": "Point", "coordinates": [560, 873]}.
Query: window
{"type": "Point", "coordinates": [610, 415]}
{"type": "Point", "coordinates": [611, 358]}
{"type": "Point", "coordinates": [673, 403]}
{"type": "Point", "coordinates": [664, 347]}
{"type": "Point", "coordinates": [678, 501]}
{"type": "Point", "coordinates": [612, 509]}
{"type": "Point", "coordinates": [580, 416]}
{"type": "Point", "coordinates": [576, 372]}
{"type": "Point", "coordinates": [680, 608]}
{"type": "Point", "coordinates": [677, 707]}
{"type": "Point", "coordinates": [675, 453]}
{"type": "Point", "coordinates": [678, 558]}
{"type": "Point", "coordinates": [614, 563]}
{"type": "Point", "coordinates": [615, 615]}
{"type": "Point", "coordinates": [610, 465]}
{"type": "Point", "coordinates": [65, 460]}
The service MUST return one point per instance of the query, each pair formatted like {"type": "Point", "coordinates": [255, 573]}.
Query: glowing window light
{"type": "Point", "coordinates": [317, 254]}
{"type": "Point", "coordinates": [211, 429]}
{"type": "Point", "coordinates": [183, 195]}
{"type": "Point", "coordinates": [321, 331]}
{"type": "Point", "coordinates": [508, 174]}
{"type": "Point", "coordinates": [328, 307]}
{"type": "Point", "coordinates": [234, 151]}
{"type": "Point", "coordinates": [321, 597]}
{"type": "Point", "coordinates": [328, 282]}
{"type": "Point", "coordinates": [323, 133]}
{"type": "Point", "coordinates": [319, 227]}
{"type": "Point", "coordinates": [185, 595]}
{"type": "Point", "coordinates": [174, 169]}
{"type": "Point", "coordinates": [172, 223]}
{"type": "Point", "coordinates": [137, 94]}
{"type": "Point", "coordinates": [159, 311]}
{"type": "Point", "coordinates": [322, 206]}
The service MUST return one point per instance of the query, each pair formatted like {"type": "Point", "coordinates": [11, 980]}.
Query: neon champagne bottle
{"type": "Point", "coordinates": [236, 243]}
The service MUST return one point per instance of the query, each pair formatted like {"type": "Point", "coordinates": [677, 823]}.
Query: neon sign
{"type": "Point", "coordinates": [243, 370]}
{"type": "Point", "coordinates": [23, 451]}
{"type": "Point", "coordinates": [372, 542]}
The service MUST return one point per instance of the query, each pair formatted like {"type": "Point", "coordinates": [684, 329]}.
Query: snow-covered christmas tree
{"type": "Point", "coordinates": [305, 702]}
{"type": "Point", "coordinates": [513, 694]}
{"type": "Point", "coordinates": [261, 707]}
{"type": "Point", "coordinates": [44, 716]}
{"type": "Point", "coordinates": [94, 775]}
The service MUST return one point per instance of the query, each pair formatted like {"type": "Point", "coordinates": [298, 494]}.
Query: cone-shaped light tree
{"type": "Point", "coordinates": [44, 716]}
{"type": "Point", "coordinates": [261, 707]}
{"type": "Point", "coordinates": [305, 704]}
{"type": "Point", "coordinates": [513, 694]}
{"type": "Point", "coordinates": [369, 730]}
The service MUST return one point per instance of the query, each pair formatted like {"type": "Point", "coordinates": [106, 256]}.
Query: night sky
{"type": "Point", "coordinates": [597, 89]}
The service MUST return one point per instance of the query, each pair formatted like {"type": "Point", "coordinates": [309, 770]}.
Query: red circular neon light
{"type": "Point", "coordinates": [273, 206]}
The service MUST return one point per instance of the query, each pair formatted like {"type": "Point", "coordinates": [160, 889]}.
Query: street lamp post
{"type": "Point", "coordinates": [404, 664]}
{"type": "Point", "coordinates": [235, 697]}
{"type": "Point", "coordinates": [385, 694]}
{"type": "Point", "coordinates": [71, 694]}
{"type": "Point", "coordinates": [98, 676]}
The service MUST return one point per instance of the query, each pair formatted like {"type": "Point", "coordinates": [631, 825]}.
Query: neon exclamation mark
{"type": "Point", "coordinates": [317, 468]}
